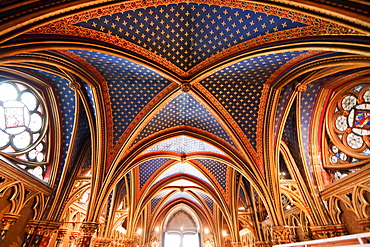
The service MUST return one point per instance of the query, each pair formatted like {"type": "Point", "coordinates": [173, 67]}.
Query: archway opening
{"type": "Point", "coordinates": [181, 229]}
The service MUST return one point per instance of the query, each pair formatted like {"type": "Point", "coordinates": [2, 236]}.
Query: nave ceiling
{"type": "Point", "coordinates": [191, 103]}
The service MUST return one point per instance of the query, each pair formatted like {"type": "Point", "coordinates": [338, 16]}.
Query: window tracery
{"type": "Point", "coordinates": [23, 126]}
{"type": "Point", "coordinates": [348, 128]}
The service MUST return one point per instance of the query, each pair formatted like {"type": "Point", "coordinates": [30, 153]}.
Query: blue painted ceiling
{"type": "Point", "coordinates": [188, 33]}
{"type": "Point", "coordinates": [186, 37]}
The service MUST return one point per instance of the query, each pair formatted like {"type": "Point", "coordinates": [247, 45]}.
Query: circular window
{"type": "Point", "coordinates": [348, 125]}
{"type": "Point", "coordinates": [22, 121]}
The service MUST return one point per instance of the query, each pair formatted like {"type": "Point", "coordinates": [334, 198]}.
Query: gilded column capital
{"type": "Point", "coordinates": [281, 234]}
{"type": "Point", "coordinates": [89, 228]}
{"type": "Point", "coordinates": [8, 220]}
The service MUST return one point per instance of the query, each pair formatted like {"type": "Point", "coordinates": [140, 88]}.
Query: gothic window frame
{"type": "Point", "coordinates": [24, 112]}
{"type": "Point", "coordinates": [347, 142]}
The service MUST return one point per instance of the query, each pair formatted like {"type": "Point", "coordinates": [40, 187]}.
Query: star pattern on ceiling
{"type": "Point", "coordinates": [131, 86]}
{"type": "Point", "coordinates": [184, 110]}
{"type": "Point", "coordinates": [184, 145]}
{"type": "Point", "coordinates": [65, 98]}
{"type": "Point", "coordinates": [188, 37]}
{"type": "Point", "coordinates": [188, 33]}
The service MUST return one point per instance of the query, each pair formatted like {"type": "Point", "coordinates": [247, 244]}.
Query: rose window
{"type": "Point", "coordinates": [22, 124]}
{"type": "Point", "coordinates": [348, 126]}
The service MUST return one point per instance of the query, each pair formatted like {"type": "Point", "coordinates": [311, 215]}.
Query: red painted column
{"type": "Point", "coordinates": [8, 220]}
{"type": "Point", "coordinates": [48, 229]}
{"type": "Point", "coordinates": [88, 229]}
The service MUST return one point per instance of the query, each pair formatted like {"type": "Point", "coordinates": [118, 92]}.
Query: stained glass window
{"type": "Point", "coordinates": [23, 126]}
{"type": "Point", "coordinates": [348, 128]}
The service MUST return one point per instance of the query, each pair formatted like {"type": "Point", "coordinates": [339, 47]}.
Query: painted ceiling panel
{"type": "Point", "coordinates": [89, 93]}
{"type": "Point", "coordinates": [86, 166]}
{"type": "Point", "coordinates": [188, 33]}
{"type": "Point", "coordinates": [183, 168]}
{"type": "Point", "coordinates": [183, 183]}
{"type": "Point", "coordinates": [66, 100]}
{"type": "Point", "coordinates": [308, 99]}
{"type": "Point", "coordinates": [184, 145]}
{"type": "Point", "coordinates": [208, 200]}
{"type": "Point", "coordinates": [283, 100]}
{"type": "Point", "coordinates": [184, 110]}
{"type": "Point", "coordinates": [82, 137]}
{"type": "Point", "coordinates": [239, 87]}
{"type": "Point", "coordinates": [131, 86]}
{"type": "Point", "coordinates": [148, 168]}
{"type": "Point", "coordinates": [290, 136]}
{"type": "Point", "coordinates": [183, 195]}
{"type": "Point", "coordinates": [157, 198]}
{"type": "Point", "coordinates": [217, 169]}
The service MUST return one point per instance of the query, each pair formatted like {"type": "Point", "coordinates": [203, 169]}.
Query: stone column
{"type": "Point", "coordinates": [88, 229]}
{"type": "Point", "coordinates": [8, 220]}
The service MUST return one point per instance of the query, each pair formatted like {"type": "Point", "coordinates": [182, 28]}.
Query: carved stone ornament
{"type": "Point", "coordinates": [8, 220]}
{"type": "Point", "coordinates": [185, 87]}
{"type": "Point", "coordinates": [89, 228]}
{"type": "Point", "coordinates": [282, 234]}
{"type": "Point", "coordinates": [74, 85]}
{"type": "Point", "coordinates": [302, 88]}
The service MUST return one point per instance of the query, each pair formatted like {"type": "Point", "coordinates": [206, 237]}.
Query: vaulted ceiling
{"type": "Point", "coordinates": [179, 98]}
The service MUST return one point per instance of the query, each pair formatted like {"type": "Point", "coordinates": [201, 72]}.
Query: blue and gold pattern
{"type": "Point", "coordinates": [148, 168]}
{"type": "Point", "coordinates": [182, 196]}
{"type": "Point", "coordinates": [89, 93]}
{"type": "Point", "coordinates": [184, 110]}
{"type": "Point", "coordinates": [218, 170]}
{"type": "Point", "coordinates": [208, 200]}
{"type": "Point", "coordinates": [187, 33]}
{"type": "Point", "coordinates": [131, 86]}
{"type": "Point", "coordinates": [82, 137]}
{"type": "Point", "coordinates": [283, 99]}
{"type": "Point", "coordinates": [239, 88]}
{"type": "Point", "coordinates": [183, 168]}
{"type": "Point", "coordinates": [157, 198]}
{"type": "Point", "coordinates": [66, 100]}
{"type": "Point", "coordinates": [290, 136]}
{"type": "Point", "coordinates": [307, 99]}
{"type": "Point", "coordinates": [184, 145]}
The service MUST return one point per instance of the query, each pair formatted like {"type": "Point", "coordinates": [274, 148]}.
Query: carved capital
{"type": "Point", "coordinates": [47, 228]}
{"type": "Point", "coordinates": [31, 226]}
{"type": "Point", "coordinates": [89, 228]}
{"type": "Point", "coordinates": [73, 236]}
{"type": "Point", "coordinates": [8, 220]}
{"type": "Point", "coordinates": [281, 234]}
